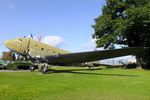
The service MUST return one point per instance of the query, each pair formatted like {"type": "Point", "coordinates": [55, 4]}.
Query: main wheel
{"type": "Point", "coordinates": [44, 69]}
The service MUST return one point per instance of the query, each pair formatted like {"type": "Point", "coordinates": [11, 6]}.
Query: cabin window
{"type": "Point", "coordinates": [42, 48]}
{"type": "Point", "coordinates": [18, 40]}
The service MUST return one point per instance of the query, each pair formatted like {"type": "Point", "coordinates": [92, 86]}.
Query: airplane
{"type": "Point", "coordinates": [43, 53]}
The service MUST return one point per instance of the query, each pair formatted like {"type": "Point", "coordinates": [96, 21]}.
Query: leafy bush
{"type": "Point", "coordinates": [11, 66]}
{"type": "Point", "coordinates": [19, 65]}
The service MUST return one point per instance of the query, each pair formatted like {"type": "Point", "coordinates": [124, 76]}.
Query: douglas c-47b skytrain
{"type": "Point", "coordinates": [39, 52]}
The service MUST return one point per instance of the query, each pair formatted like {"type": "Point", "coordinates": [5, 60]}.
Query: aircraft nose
{"type": "Point", "coordinates": [7, 43]}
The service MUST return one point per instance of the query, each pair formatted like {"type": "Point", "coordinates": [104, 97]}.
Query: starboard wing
{"type": "Point", "coordinates": [82, 57]}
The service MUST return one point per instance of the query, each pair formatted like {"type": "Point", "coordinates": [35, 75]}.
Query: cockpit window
{"type": "Point", "coordinates": [18, 40]}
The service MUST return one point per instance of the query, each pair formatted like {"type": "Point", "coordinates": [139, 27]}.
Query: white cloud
{"type": "Point", "coordinates": [90, 45]}
{"type": "Point", "coordinates": [53, 40]}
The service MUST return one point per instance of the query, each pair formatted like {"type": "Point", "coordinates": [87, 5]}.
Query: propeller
{"type": "Point", "coordinates": [27, 56]}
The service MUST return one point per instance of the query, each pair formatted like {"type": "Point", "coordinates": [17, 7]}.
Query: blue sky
{"type": "Point", "coordinates": [70, 20]}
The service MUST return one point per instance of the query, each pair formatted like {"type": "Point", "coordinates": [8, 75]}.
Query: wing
{"type": "Point", "coordinates": [82, 57]}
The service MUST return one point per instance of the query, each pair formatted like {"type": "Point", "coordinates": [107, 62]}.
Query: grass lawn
{"type": "Point", "coordinates": [76, 84]}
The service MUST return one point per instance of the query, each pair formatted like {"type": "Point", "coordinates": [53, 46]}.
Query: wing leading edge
{"type": "Point", "coordinates": [82, 57]}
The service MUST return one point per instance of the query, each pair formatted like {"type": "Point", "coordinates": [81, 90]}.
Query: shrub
{"type": "Point", "coordinates": [19, 65]}
{"type": "Point", "coordinates": [11, 66]}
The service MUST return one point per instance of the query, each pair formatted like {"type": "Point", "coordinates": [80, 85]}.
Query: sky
{"type": "Point", "coordinates": [63, 23]}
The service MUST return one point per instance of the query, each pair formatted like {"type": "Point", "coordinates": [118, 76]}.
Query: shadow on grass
{"type": "Point", "coordinates": [77, 71]}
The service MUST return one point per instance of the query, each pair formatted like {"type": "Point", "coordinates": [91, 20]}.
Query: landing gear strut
{"type": "Point", "coordinates": [89, 67]}
{"type": "Point", "coordinates": [44, 69]}
{"type": "Point", "coordinates": [32, 68]}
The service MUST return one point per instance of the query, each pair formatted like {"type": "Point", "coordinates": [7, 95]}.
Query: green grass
{"type": "Point", "coordinates": [106, 84]}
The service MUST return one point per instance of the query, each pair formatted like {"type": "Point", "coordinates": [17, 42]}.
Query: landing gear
{"type": "Point", "coordinates": [89, 67]}
{"type": "Point", "coordinates": [44, 69]}
{"type": "Point", "coordinates": [32, 68]}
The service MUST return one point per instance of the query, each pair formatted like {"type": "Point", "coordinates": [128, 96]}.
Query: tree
{"type": "Point", "coordinates": [124, 22]}
{"type": "Point", "coordinates": [8, 56]}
